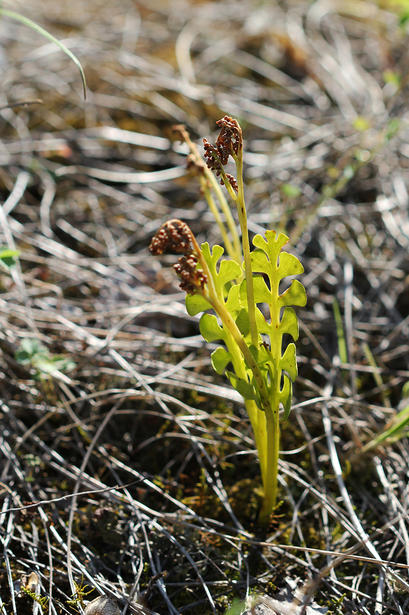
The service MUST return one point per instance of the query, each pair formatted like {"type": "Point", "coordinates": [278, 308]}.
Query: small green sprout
{"type": "Point", "coordinates": [41, 600]}
{"type": "Point", "coordinates": [237, 607]}
{"type": "Point", "coordinates": [81, 591]}
{"type": "Point", "coordinates": [8, 257]}
{"type": "Point", "coordinates": [33, 353]}
{"type": "Point", "coordinates": [249, 312]}
{"type": "Point", "coordinates": [290, 191]}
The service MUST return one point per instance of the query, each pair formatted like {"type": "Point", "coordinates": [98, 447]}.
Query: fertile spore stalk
{"type": "Point", "coordinates": [230, 143]}
{"type": "Point", "coordinates": [209, 186]}
{"type": "Point", "coordinates": [262, 370]}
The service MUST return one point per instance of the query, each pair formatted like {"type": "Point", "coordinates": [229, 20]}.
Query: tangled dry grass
{"type": "Point", "coordinates": [134, 473]}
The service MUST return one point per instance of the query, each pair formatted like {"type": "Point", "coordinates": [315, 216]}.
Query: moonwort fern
{"type": "Point", "coordinates": [244, 309]}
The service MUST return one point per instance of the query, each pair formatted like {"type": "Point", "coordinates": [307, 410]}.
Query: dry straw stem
{"type": "Point", "coordinates": [102, 606]}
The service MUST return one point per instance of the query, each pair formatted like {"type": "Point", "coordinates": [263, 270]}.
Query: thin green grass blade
{"type": "Point", "coordinates": [34, 26]}
{"type": "Point", "coordinates": [342, 346]}
{"type": "Point", "coordinates": [376, 375]}
{"type": "Point", "coordinates": [393, 433]}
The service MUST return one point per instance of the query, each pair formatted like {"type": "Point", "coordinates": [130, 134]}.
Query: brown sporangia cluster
{"type": "Point", "coordinates": [175, 237]}
{"type": "Point", "coordinates": [191, 278]}
{"type": "Point", "coordinates": [229, 142]}
{"type": "Point", "coordinates": [212, 157]}
{"type": "Point", "coordinates": [233, 182]}
{"type": "Point", "coordinates": [230, 138]}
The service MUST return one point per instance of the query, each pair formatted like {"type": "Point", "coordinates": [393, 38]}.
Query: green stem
{"type": "Point", "coordinates": [272, 428]}
{"type": "Point", "coordinates": [227, 214]}
{"type": "Point", "coordinates": [241, 210]}
{"type": "Point", "coordinates": [256, 417]}
{"type": "Point", "coordinates": [230, 324]}
{"type": "Point", "coordinates": [253, 412]}
{"type": "Point", "coordinates": [272, 419]}
{"type": "Point", "coordinates": [216, 214]}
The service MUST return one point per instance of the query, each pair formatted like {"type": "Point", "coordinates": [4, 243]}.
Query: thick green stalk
{"type": "Point", "coordinates": [272, 430]}
{"type": "Point", "coordinates": [272, 414]}
{"type": "Point", "coordinates": [257, 424]}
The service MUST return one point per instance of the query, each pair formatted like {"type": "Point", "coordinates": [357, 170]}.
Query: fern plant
{"type": "Point", "coordinates": [244, 308]}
